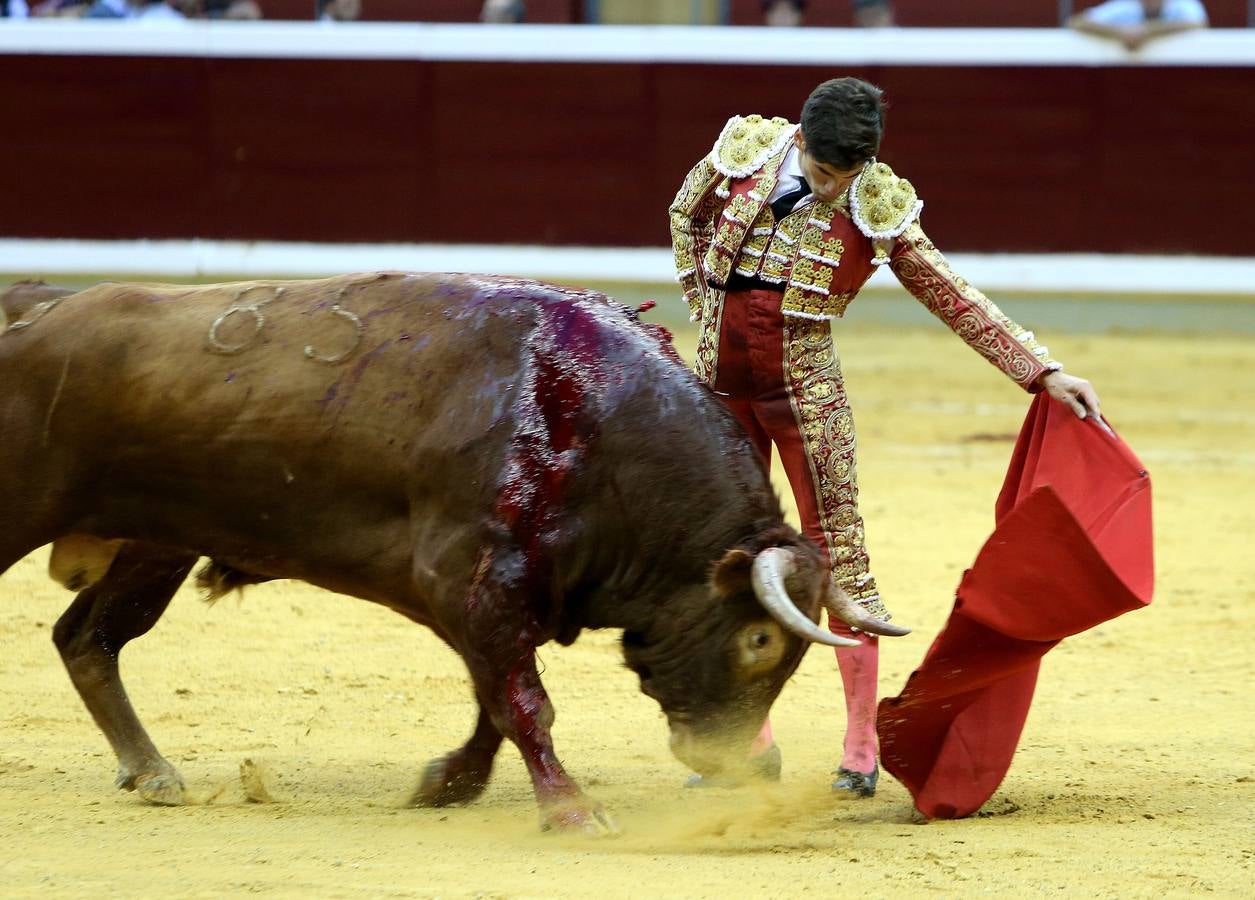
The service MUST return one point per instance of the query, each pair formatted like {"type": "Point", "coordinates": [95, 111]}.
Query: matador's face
{"type": "Point", "coordinates": [826, 180]}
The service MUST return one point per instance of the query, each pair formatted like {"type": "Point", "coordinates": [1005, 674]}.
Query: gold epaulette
{"type": "Point", "coordinates": [747, 142]}
{"type": "Point", "coordinates": [883, 205]}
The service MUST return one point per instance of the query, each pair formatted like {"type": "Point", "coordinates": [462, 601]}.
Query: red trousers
{"type": "Point", "coordinates": [781, 378]}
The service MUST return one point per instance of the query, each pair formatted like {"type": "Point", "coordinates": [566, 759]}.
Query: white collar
{"type": "Point", "coordinates": [792, 165]}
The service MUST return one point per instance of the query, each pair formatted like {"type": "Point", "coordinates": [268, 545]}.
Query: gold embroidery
{"type": "Point", "coordinates": [883, 206]}
{"type": "Point", "coordinates": [740, 209]}
{"type": "Point", "coordinates": [881, 203]}
{"type": "Point", "coordinates": [774, 268]}
{"type": "Point", "coordinates": [764, 184]}
{"type": "Point", "coordinates": [970, 314]}
{"type": "Point", "coordinates": [706, 365]}
{"type": "Point", "coordinates": [822, 249]}
{"type": "Point", "coordinates": [804, 304]}
{"type": "Point", "coordinates": [742, 235]}
{"type": "Point", "coordinates": [822, 413]}
{"type": "Point", "coordinates": [718, 264]}
{"type": "Point", "coordinates": [812, 276]}
{"type": "Point", "coordinates": [746, 143]}
{"type": "Point", "coordinates": [692, 213]}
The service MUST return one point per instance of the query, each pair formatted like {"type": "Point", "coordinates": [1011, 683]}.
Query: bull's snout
{"type": "Point", "coordinates": [705, 756]}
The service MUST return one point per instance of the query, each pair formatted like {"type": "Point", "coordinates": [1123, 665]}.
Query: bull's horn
{"type": "Point", "coordinates": [840, 605]}
{"type": "Point", "coordinates": [771, 567]}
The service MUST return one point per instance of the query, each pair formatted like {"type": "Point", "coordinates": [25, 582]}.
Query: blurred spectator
{"type": "Point", "coordinates": [154, 11]}
{"type": "Point", "coordinates": [873, 13]}
{"type": "Point", "coordinates": [1134, 22]}
{"type": "Point", "coordinates": [108, 9]}
{"type": "Point", "coordinates": [339, 10]}
{"type": "Point", "coordinates": [783, 13]}
{"type": "Point", "coordinates": [503, 11]}
{"type": "Point", "coordinates": [60, 8]}
{"type": "Point", "coordinates": [867, 13]}
{"type": "Point", "coordinates": [142, 10]}
{"type": "Point", "coordinates": [232, 9]}
{"type": "Point", "coordinates": [13, 9]}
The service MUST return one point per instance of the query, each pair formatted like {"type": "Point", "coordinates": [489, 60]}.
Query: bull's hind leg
{"type": "Point", "coordinates": [461, 776]}
{"type": "Point", "coordinates": [124, 604]}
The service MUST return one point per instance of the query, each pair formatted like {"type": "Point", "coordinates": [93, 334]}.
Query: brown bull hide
{"type": "Point", "coordinates": [503, 461]}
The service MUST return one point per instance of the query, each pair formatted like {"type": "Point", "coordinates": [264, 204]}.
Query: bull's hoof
{"type": "Point", "coordinates": [448, 781]}
{"type": "Point", "coordinates": [570, 819]}
{"type": "Point", "coordinates": [162, 790]}
{"type": "Point", "coordinates": [158, 788]}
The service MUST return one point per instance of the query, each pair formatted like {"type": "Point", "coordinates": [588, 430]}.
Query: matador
{"type": "Point", "coordinates": [775, 231]}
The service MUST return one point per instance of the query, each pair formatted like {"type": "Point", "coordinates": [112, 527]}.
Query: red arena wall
{"type": "Point", "coordinates": [1057, 158]}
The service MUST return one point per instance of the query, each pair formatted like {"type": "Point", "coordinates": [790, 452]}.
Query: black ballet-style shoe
{"type": "Point", "coordinates": [856, 784]}
{"type": "Point", "coordinates": [763, 767]}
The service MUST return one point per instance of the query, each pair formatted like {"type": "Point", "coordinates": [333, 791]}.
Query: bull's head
{"type": "Point", "coordinates": [718, 666]}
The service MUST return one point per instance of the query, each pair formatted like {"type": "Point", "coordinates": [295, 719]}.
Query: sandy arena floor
{"type": "Point", "coordinates": [1134, 776]}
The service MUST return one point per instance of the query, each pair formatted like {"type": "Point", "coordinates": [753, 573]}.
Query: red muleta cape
{"type": "Point", "coordinates": [1070, 550]}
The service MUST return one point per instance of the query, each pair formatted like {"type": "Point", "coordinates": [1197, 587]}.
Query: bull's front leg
{"type": "Point", "coordinates": [499, 636]}
{"type": "Point", "coordinates": [515, 699]}
{"type": "Point", "coordinates": [461, 776]}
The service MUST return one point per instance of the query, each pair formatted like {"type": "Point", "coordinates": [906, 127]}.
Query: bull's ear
{"type": "Point", "coordinates": [731, 574]}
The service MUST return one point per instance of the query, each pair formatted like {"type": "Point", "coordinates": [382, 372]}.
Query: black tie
{"type": "Point", "coordinates": [783, 205]}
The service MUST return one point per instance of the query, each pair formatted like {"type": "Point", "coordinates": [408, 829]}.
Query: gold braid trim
{"type": "Point", "coordinates": [747, 142]}
{"type": "Point", "coordinates": [692, 215]}
{"type": "Point", "coordinates": [882, 205]}
{"type": "Point", "coordinates": [967, 312]}
{"type": "Point", "coordinates": [821, 411]}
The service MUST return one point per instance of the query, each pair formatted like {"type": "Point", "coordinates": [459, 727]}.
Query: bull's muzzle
{"type": "Point", "coordinates": [709, 757]}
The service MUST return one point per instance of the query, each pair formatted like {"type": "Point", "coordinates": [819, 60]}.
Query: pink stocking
{"type": "Point", "coordinates": [859, 667]}
{"type": "Point", "coordinates": [763, 739]}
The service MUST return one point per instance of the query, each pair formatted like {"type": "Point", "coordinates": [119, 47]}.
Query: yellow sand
{"type": "Point", "coordinates": [1134, 776]}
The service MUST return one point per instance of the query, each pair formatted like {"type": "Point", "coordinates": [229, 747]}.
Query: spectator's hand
{"type": "Point", "coordinates": [1077, 393]}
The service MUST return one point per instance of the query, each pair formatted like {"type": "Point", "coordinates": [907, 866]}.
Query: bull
{"type": "Point", "coordinates": [504, 461]}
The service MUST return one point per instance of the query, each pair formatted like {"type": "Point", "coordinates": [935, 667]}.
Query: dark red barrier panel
{"type": "Point", "coordinates": [1140, 159]}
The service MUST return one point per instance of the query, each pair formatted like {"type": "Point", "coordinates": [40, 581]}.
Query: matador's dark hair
{"type": "Point", "coordinates": [842, 122]}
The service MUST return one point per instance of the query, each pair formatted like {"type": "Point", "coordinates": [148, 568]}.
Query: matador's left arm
{"type": "Point", "coordinates": [886, 209]}
{"type": "Point", "coordinates": [926, 274]}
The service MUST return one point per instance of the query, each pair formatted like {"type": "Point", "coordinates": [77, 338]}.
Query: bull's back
{"type": "Point", "coordinates": [371, 360]}
{"type": "Point", "coordinates": [258, 416]}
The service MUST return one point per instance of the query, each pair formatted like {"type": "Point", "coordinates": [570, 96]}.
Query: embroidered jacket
{"type": "Point", "coordinates": [822, 254]}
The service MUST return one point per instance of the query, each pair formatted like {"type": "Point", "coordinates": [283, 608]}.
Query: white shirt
{"type": "Point", "coordinates": [1120, 13]}
{"type": "Point", "coordinates": [790, 176]}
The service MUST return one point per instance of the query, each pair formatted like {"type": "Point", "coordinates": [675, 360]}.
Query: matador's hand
{"type": "Point", "coordinates": [1075, 392]}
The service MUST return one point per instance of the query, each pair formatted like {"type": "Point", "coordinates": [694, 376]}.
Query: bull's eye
{"type": "Point", "coordinates": [761, 647]}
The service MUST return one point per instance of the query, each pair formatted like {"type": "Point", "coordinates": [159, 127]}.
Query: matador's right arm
{"type": "Point", "coordinates": [693, 213]}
